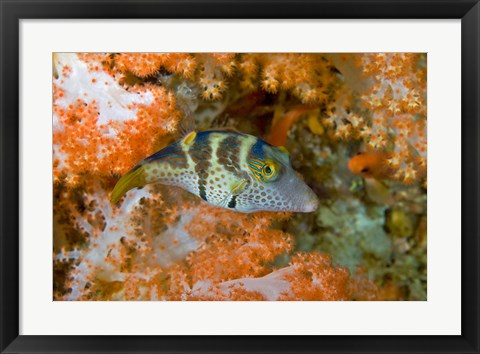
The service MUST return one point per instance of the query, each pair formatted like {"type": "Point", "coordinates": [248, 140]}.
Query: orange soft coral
{"type": "Point", "coordinates": [308, 76]}
{"type": "Point", "coordinates": [147, 64]}
{"type": "Point", "coordinates": [192, 252]}
{"type": "Point", "coordinates": [397, 100]}
{"type": "Point", "coordinates": [312, 277]}
{"type": "Point", "coordinates": [101, 128]}
{"type": "Point", "coordinates": [140, 64]}
{"type": "Point", "coordinates": [237, 244]}
{"type": "Point", "coordinates": [209, 70]}
{"type": "Point", "coordinates": [391, 115]}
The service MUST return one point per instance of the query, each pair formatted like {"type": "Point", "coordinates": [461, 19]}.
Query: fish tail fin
{"type": "Point", "coordinates": [133, 179]}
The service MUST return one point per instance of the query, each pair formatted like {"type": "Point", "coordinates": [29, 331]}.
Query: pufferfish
{"type": "Point", "coordinates": [230, 170]}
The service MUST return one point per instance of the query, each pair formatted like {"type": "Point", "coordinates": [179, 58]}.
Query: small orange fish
{"type": "Point", "coordinates": [371, 165]}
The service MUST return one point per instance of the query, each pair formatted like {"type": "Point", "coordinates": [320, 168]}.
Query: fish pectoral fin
{"type": "Point", "coordinates": [238, 187]}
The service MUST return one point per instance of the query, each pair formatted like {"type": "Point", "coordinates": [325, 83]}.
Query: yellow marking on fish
{"type": "Point", "coordinates": [238, 186]}
{"type": "Point", "coordinates": [188, 140]}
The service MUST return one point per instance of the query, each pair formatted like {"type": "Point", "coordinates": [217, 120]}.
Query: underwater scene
{"type": "Point", "coordinates": [239, 176]}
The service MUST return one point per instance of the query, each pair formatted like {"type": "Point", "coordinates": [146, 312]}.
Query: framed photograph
{"type": "Point", "coordinates": [214, 176]}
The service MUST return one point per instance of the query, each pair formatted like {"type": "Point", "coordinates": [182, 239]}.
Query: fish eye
{"type": "Point", "coordinates": [365, 170]}
{"type": "Point", "coordinates": [270, 171]}
{"type": "Point", "coordinates": [264, 171]}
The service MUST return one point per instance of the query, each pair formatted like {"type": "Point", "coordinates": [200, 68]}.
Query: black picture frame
{"type": "Point", "coordinates": [12, 11]}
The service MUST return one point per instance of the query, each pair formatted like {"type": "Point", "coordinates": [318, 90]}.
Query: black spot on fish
{"type": "Point", "coordinates": [203, 192]}
{"type": "Point", "coordinates": [233, 202]}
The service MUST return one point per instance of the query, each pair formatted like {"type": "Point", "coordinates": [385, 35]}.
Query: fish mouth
{"type": "Point", "coordinates": [311, 205]}
{"type": "Point", "coordinates": [308, 202]}
{"type": "Point", "coordinates": [301, 198]}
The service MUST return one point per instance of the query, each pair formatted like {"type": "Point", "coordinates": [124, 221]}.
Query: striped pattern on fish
{"type": "Point", "coordinates": [231, 170]}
